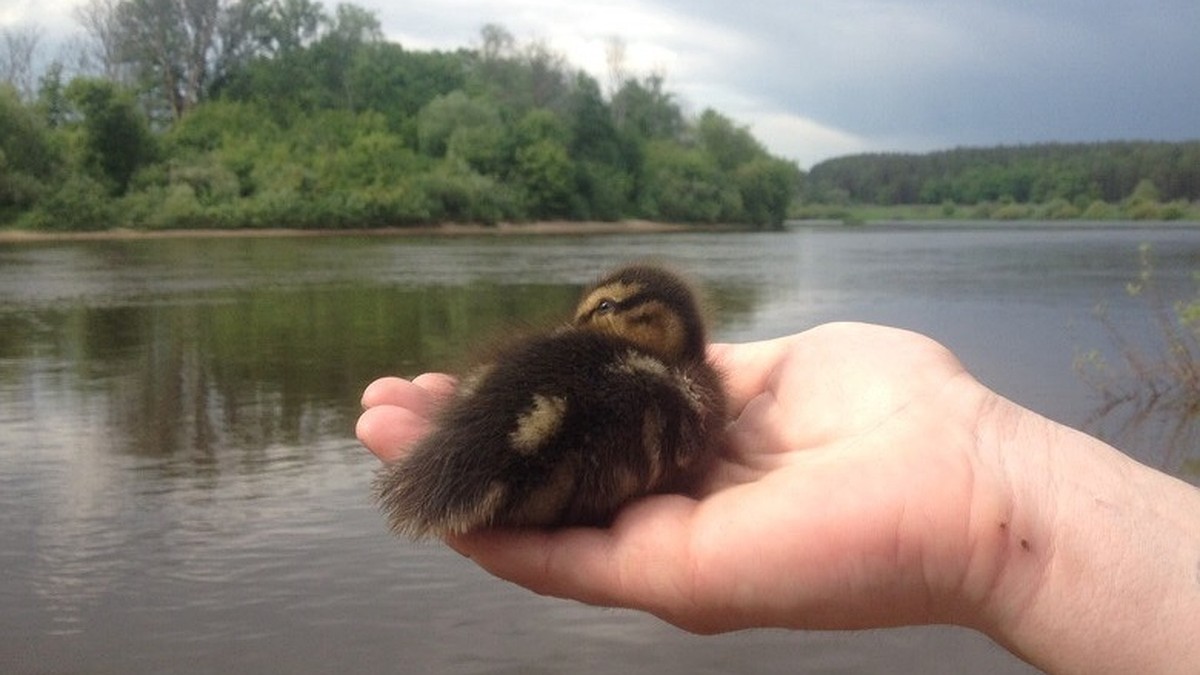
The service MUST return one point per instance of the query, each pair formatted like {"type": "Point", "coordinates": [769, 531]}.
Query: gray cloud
{"type": "Point", "coordinates": [972, 72]}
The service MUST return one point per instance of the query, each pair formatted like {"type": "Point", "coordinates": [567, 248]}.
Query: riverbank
{"type": "Point", "coordinates": [552, 227]}
{"type": "Point", "coordinates": [859, 214]}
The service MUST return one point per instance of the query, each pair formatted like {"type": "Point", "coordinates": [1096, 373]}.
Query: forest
{"type": "Point", "coordinates": [1095, 181]}
{"type": "Point", "coordinates": [278, 113]}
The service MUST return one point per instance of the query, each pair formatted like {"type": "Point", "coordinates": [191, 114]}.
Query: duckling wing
{"type": "Point", "coordinates": [561, 429]}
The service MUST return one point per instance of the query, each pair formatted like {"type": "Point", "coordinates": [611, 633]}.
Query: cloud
{"type": "Point", "coordinates": [936, 74]}
{"type": "Point", "coordinates": [53, 17]}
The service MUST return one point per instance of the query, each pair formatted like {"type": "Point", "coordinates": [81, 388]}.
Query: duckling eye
{"type": "Point", "coordinates": [606, 306]}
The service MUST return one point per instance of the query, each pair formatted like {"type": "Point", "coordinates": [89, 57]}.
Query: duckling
{"type": "Point", "coordinates": [565, 427]}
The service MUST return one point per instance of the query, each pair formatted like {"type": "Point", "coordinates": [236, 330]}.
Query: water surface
{"type": "Point", "coordinates": [181, 490]}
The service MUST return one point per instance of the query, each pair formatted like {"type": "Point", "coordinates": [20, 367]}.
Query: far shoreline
{"type": "Point", "coordinates": [548, 227]}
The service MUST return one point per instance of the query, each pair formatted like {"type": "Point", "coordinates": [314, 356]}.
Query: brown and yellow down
{"type": "Point", "coordinates": [564, 428]}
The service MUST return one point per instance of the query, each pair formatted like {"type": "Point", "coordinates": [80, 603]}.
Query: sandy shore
{"type": "Point", "coordinates": [447, 229]}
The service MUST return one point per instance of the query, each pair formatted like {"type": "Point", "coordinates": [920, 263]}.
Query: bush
{"type": "Point", "coordinates": [602, 192]}
{"type": "Point", "coordinates": [463, 196]}
{"type": "Point", "coordinates": [1144, 210]}
{"type": "Point", "coordinates": [80, 203]}
{"type": "Point", "coordinates": [1009, 210]}
{"type": "Point", "coordinates": [766, 187]}
{"type": "Point", "coordinates": [684, 185]}
{"type": "Point", "coordinates": [1060, 209]}
{"type": "Point", "coordinates": [1100, 210]}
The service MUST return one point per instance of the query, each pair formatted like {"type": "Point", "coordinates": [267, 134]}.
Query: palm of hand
{"type": "Point", "coordinates": [842, 497]}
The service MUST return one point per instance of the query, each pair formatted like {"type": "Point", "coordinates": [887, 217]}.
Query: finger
{"type": "Point", "coordinates": [389, 431]}
{"type": "Point", "coordinates": [439, 385]}
{"type": "Point", "coordinates": [640, 562]}
{"type": "Point", "coordinates": [747, 368]}
{"type": "Point", "coordinates": [422, 395]}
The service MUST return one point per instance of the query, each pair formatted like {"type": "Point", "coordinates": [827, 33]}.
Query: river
{"type": "Point", "coordinates": [181, 490]}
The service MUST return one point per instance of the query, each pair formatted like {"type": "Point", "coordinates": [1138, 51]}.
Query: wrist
{"type": "Point", "coordinates": [1087, 561]}
{"type": "Point", "coordinates": [1012, 519]}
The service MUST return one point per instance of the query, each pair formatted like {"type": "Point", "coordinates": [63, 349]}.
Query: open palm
{"type": "Point", "coordinates": [844, 498]}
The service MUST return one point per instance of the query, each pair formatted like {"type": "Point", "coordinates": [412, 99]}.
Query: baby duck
{"type": "Point", "coordinates": [563, 428]}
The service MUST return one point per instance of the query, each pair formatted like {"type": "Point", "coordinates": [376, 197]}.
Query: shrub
{"type": "Point", "coordinates": [80, 203]}
{"type": "Point", "coordinates": [1060, 209]}
{"type": "Point", "coordinates": [1100, 210]}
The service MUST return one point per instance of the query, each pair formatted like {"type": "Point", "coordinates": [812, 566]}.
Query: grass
{"type": "Point", "coordinates": [857, 214]}
{"type": "Point", "coordinates": [1148, 379]}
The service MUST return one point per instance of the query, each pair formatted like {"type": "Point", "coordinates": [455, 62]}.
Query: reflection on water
{"type": "Point", "coordinates": [182, 491]}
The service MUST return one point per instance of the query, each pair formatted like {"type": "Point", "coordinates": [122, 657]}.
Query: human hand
{"type": "Point", "coordinates": [844, 498]}
{"type": "Point", "coordinates": [868, 480]}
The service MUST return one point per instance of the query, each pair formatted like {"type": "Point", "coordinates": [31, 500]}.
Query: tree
{"type": "Point", "coordinates": [28, 160]}
{"type": "Point", "coordinates": [731, 146]}
{"type": "Point", "coordinates": [19, 46]}
{"type": "Point", "coordinates": [170, 44]}
{"type": "Point", "coordinates": [445, 115]}
{"type": "Point", "coordinates": [351, 30]}
{"type": "Point", "coordinates": [52, 97]}
{"type": "Point", "coordinates": [399, 83]}
{"type": "Point", "coordinates": [685, 185]}
{"type": "Point", "coordinates": [593, 135]}
{"type": "Point", "coordinates": [518, 78]}
{"type": "Point", "coordinates": [544, 170]}
{"type": "Point", "coordinates": [646, 110]}
{"type": "Point", "coordinates": [618, 72]}
{"type": "Point", "coordinates": [117, 139]}
{"type": "Point", "coordinates": [1145, 191]}
{"type": "Point", "coordinates": [767, 186]}
{"type": "Point", "coordinates": [287, 26]}
{"type": "Point", "coordinates": [100, 23]}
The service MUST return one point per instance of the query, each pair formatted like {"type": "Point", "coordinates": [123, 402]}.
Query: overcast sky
{"type": "Point", "coordinates": [830, 77]}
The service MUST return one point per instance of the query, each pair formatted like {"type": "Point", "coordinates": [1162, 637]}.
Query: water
{"type": "Point", "coordinates": [181, 490]}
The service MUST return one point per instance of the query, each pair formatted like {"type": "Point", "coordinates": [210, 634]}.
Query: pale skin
{"type": "Point", "coordinates": [868, 480]}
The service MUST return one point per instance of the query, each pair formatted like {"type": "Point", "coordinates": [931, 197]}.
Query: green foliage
{"type": "Point", "coordinates": [1077, 173]}
{"type": "Point", "coordinates": [397, 83]}
{"type": "Point", "coordinates": [544, 171]}
{"type": "Point", "coordinates": [28, 158]}
{"type": "Point", "coordinates": [311, 119]}
{"type": "Point", "coordinates": [646, 110]}
{"type": "Point", "coordinates": [117, 138]}
{"type": "Point", "coordinates": [685, 184]}
{"type": "Point", "coordinates": [728, 145]}
{"type": "Point", "coordinates": [1100, 210]}
{"type": "Point", "coordinates": [1159, 368]}
{"type": "Point", "coordinates": [1060, 209]}
{"type": "Point", "coordinates": [453, 112]}
{"type": "Point", "coordinates": [767, 186]}
{"type": "Point", "coordinates": [79, 203]}
{"type": "Point", "coordinates": [459, 195]}
{"type": "Point", "coordinates": [602, 192]}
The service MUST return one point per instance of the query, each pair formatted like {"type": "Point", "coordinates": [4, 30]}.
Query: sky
{"type": "Point", "coordinates": [822, 78]}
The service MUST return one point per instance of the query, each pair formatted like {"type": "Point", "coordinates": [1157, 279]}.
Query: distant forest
{"type": "Point", "coordinates": [278, 113]}
{"type": "Point", "coordinates": [1148, 179]}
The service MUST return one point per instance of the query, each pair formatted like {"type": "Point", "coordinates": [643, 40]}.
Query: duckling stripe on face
{"type": "Point", "coordinates": [617, 291]}
{"type": "Point", "coordinates": [538, 424]}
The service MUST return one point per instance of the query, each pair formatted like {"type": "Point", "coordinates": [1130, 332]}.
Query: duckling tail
{"type": "Point", "coordinates": [419, 501]}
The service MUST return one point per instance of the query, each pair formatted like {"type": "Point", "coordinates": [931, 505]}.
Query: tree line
{"type": "Point", "coordinates": [1133, 179]}
{"type": "Point", "coordinates": [278, 113]}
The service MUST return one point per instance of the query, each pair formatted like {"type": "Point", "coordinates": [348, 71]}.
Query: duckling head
{"type": "Point", "coordinates": [651, 307]}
